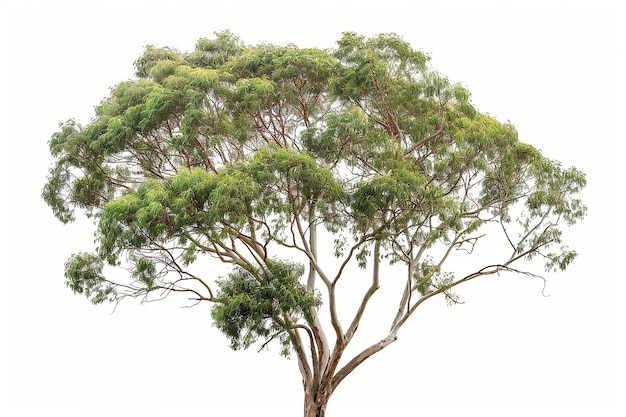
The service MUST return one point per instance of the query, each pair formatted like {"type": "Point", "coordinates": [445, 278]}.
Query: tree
{"type": "Point", "coordinates": [299, 167]}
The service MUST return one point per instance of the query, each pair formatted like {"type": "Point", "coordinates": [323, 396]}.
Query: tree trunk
{"type": "Point", "coordinates": [314, 410]}
{"type": "Point", "coordinates": [315, 400]}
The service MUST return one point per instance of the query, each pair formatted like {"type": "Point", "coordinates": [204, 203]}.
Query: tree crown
{"type": "Point", "coordinates": [246, 154]}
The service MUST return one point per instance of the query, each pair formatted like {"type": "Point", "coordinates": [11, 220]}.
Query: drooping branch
{"type": "Point", "coordinates": [176, 265]}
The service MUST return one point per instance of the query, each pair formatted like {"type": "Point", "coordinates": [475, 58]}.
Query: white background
{"type": "Point", "coordinates": [552, 68]}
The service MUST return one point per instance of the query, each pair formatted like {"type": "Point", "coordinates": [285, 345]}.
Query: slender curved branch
{"type": "Point", "coordinates": [368, 295]}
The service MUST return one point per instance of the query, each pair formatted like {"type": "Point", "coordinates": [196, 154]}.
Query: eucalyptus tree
{"type": "Point", "coordinates": [299, 167]}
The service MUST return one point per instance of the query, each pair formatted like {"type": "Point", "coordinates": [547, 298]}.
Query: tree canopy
{"type": "Point", "coordinates": [270, 157]}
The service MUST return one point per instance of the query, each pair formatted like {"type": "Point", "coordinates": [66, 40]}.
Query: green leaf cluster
{"type": "Point", "coordinates": [83, 275]}
{"type": "Point", "coordinates": [290, 181]}
{"type": "Point", "coordinates": [265, 303]}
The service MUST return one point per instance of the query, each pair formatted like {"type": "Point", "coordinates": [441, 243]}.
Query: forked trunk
{"type": "Point", "coordinates": [317, 391]}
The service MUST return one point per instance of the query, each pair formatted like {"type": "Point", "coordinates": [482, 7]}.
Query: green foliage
{"type": "Point", "coordinates": [291, 181]}
{"type": "Point", "coordinates": [83, 275]}
{"type": "Point", "coordinates": [145, 272]}
{"type": "Point", "coordinates": [263, 303]}
{"type": "Point", "coordinates": [425, 275]}
{"type": "Point", "coordinates": [240, 153]}
{"type": "Point", "coordinates": [348, 136]}
{"type": "Point", "coordinates": [153, 56]}
{"type": "Point", "coordinates": [428, 278]}
{"type": "Point", "coordinates": [213, 53]}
